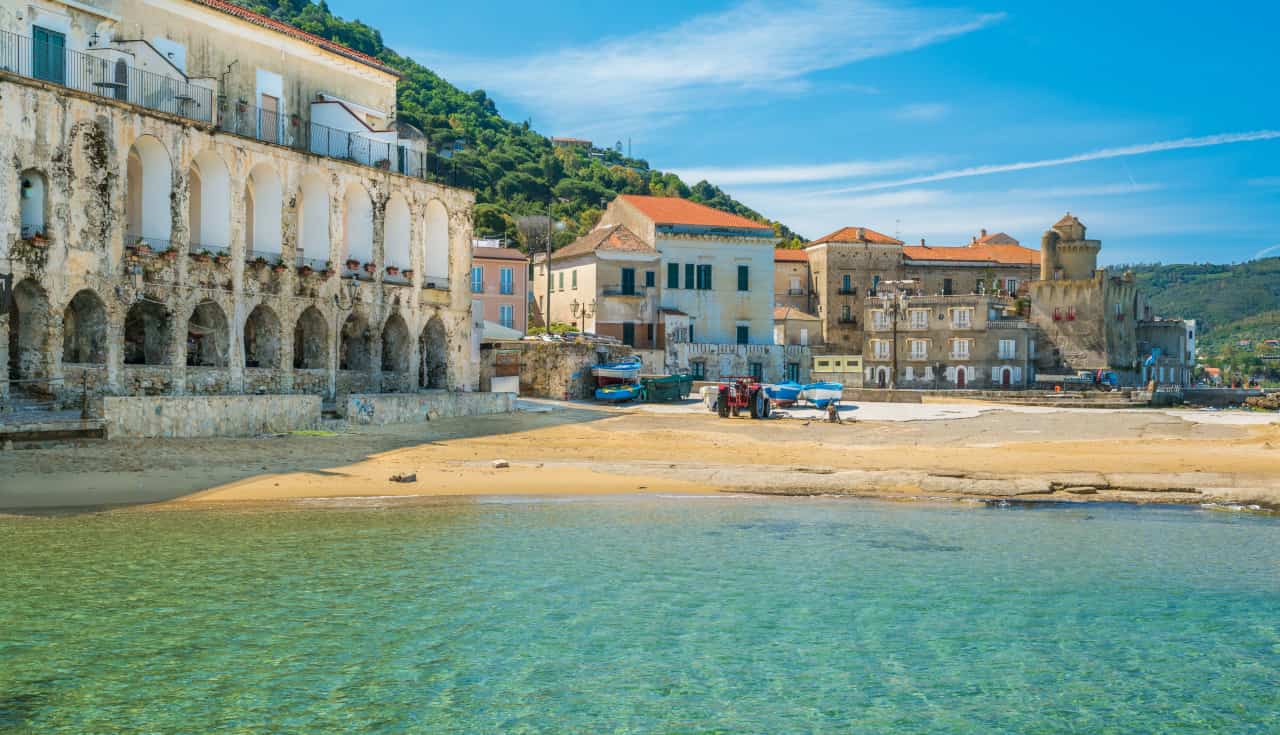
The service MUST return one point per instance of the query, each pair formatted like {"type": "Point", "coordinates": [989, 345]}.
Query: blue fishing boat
{"type": "Point", "coordinates": [623, 371]}
{"type": "Point", "coordinates": [618, 393]}
{"type": "Point", "coordinates": [821, 394]}
{"type": "Point", "coordinates": [784, 393]}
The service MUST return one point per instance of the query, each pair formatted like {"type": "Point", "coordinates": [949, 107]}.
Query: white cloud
{"type": "Point", "coordinates": [712, 60]}
{"type": "Point", "coordinates": [1266, 252]}
{"type": "Point", "coordinates": [791, 174]}
{"type": "Point", "coordinates": [922, 112]}
{"type": "Point", "coordinates": [1105, 153]}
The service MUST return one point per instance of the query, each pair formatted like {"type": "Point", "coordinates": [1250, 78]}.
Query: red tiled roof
{"type": "Point", "coordinates": [782, 313]}
{"type": "Point", "coordinates": [858, 235]}
{"type": "Point", "coordinates": [677, 211]}
{"type": "Point", "coordinates": [997, 238]}
{"type": "Point", "coordinates": [1003, 254]}
{"type": "Point", "coordinates": [616, 238]}
{"type": "Point", "coordinates": [295, 32]}
{"type": "Point", "coordinates": [483, 253]}
{"type": "Point", "coordinates": [790, 255]}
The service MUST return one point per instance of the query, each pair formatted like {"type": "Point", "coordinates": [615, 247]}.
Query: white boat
{"type": "Point", "coordinates": [623, 371]}
{"type": "Point", "coordinates": [821, 394]}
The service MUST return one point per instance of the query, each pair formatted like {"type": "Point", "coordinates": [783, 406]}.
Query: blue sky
{"type": "Point", "coordinates": [1157, 123]}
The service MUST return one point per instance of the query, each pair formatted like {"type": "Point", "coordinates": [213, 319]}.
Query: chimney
{"type": "Point", "coordinates": [984, 232]}
{"type": "Point", "coordinates": [862, 234]}
{"type": "Point", "coordinates": [922, 243]}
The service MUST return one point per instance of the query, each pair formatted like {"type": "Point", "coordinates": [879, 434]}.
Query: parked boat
{"type": "Point", "coordinates": [784, 393]}
{"type": "Point", "coordinates": [666, 387]}
{"type": "Point", "coordinates": [821, 394]}
{"type": "Point", "coordinates": [623, 371]}
{"type": "Point", "coordinates": [618, 393]}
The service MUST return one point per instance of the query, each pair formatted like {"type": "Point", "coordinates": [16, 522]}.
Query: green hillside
{"type": "Point", "coordinates": [514, 170]}
{"type": "Point", "coordinates": [1230, 302]}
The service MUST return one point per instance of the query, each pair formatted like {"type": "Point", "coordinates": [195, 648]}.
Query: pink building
{"type": "Point", "coordinates": [500, 284]}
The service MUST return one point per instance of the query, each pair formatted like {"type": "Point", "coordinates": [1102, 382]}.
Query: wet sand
{"type": "Point", "coordinates": [1134, 455]}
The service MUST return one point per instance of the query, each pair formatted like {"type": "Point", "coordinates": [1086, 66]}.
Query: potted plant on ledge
{"type": "Point", "coordinates": [353, 264]}
{"type": "Point", "coordinates": [222, 259]}
{"type": "Point", "coordinates": [408, 274]}
{"type": "Point", "coordinates": [371, 268]}
{"type": "Point", "coordinates": [280, 266]}
{"type": "Point", "coordinates": [259, 262]}
{"type": "Point", "coordinates": [204, 256]}
{"type": "Point", "coordinates": [305, 270]}
{"type": "Point", "coordinates": [393, 271]}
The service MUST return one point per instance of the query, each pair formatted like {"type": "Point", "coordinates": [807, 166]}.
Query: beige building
{"type": "Point", "coordinates": [792, 284]}
{"type": "Point", "coordinates": [212, 203]}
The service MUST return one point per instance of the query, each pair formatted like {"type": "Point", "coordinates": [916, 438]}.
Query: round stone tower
{"type": "Point", "coordinates": [1074, 258]}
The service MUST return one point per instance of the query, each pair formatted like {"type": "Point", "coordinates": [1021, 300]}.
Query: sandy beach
{"type": "Point", "coordinates": [892, 450]}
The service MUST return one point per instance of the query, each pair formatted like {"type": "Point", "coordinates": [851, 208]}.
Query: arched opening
{"type": "Point", "coordinates": [262, 338]}
{"type": "Point", "coordinates": [28, 331]}
{"type": "Point", "coordinates": [396, 233]}
{"type": "Point", "coordinates": [209, 203]}
{"type": "Point", "coordinates": [311, 341]}
{"type": "Point", "coordinates": [357, 224]}
{"type": "Point", "coordinates": [262, 202]}
{"type": "Point", "coordinates": [149, 183]}
{"type": "Point", "coordinates": [434, 347]}
{"type": "Point", "coordinates": [355, 351]}
{"type": "Point", "coordinates": [313, 220]}
{"type": "Point", "coordinates": [435, 260]}
{"type": "Point", "coordinates": [32, 203]}
{"type": "Point", "coordinates": [84, 330]}
{"type": "Point", "coordinates": [208, 340]}
{"type": "Point", "coordinates": [147, 334]}
{"type": "Point", "coordinates": [960, 377]}
{"type": "Point", "coordinates": [397, 353]}
{"type": "Point", "coordinates": [1006, 377]}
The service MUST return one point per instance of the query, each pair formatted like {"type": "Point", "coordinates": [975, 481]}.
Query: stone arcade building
{"type": "Point", "coordinates": [177, 220]}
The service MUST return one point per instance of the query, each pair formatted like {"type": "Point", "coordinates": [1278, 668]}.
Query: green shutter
{"type": "Point", "coordinates": [688, 275]}
{"type": "Point", "coordinates": [744, 278]}
{"type": "Point", "coordinates": [49, 55]}
{"type": "Point", "coordinates": [673, 275]}
{"type": "Point", "coordinates": [628, 281]}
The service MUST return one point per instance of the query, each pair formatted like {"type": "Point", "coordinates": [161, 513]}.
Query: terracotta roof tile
{"type": "Point", "coordinates": [616, 238]}
{"type": "Point", "coordinates": [677, 211]}
{"type": "Point", "coordinates": [483, 253]}
{"type": "Point", "coordinates": [1003, 254]}
{"type": "Point", "coordinates": [997, 238]}
{"type": "Point", "coordinates": [781, 313]}
{"type": "Point", "coordinates": [295, 32]}
{"type": "Point", "coordinates": [858, 235]}
{"type": "Point", "coordinates": [790, 255]}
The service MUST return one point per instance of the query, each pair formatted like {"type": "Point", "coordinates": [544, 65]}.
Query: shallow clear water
{"type": "Point", "coordinates": [642, 615]}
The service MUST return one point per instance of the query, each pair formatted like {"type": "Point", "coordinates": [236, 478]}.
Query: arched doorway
{"type": "Point", "coordinates": [313, 220]}
{"type": "Point", "coordinates": [357, 224]}
{"type": "Point", "coordinates": [209, 203]}
{"type": "Point", "coordinates": [84, 330]}
{"type": "Point", "coordinates": [263, 201]}
{"type": "Point", "coordinates": [33, 194]}
{"type": "Point", "coordinates": [147, 334]}
{"type": "Point", "coordinates": [28, 332]}
{"type": "Point", "coordinates": [435, 260]}
{"type": "Point", "coordinates": [355, 350]}
{"type": "Point", "coordinates": [882, 377]}
{"type": "Point", "coordinates": [149, 184]}
{"type": "Point", "coordinates": [395, 231]}
{"type": "Point", "coordinates": [397, 353]}
{"type": "Point", "coordinates": [960, 377]}
{"type": "Point", "coordinates": [434, 348]}
{"type": "Point", "coordinates": [208, 341]}
{"type": "Point", "coordinates": [311, 341]}
{"type": "Point", "coordinates": [262, 338]}
{"type": "Point", "coordinates": [1006, 377]}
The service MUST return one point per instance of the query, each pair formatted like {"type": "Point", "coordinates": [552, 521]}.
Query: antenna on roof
{"type": "Point", "coordinates": [897, 229]}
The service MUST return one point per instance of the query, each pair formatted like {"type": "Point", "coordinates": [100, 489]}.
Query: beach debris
{"type": "Point", "coordinates": [411, 477]}
{"type": "Point", "coordinates": [501, 464]}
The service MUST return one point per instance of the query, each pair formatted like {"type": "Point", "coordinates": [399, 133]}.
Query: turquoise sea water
{"type": "Point", "coordinates": [642, 615]}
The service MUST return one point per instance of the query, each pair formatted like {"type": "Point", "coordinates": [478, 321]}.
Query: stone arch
{"type": "Point", "coordinates": [313, 218]}
{"type": "Point", "coordinates": [148, 330]}
{"type": "Point", "coordinates": [397, 347]}
{"type": "Point", "coordinates": [33, 194]}
{"type": "Point", "coordinates": [208, 337]}
{"type": "Point", "coordinates": [395, 237]}
{"type": "Point", "coordinates": [209, 202]}
{"type": "Point", "coordinates": [357, 224]}
{"type": "Point", "coordinates": [355, 350]}
{"type": "Point", "coordinates": [84, 330]}
{"type": "Point", "coordinates": [263, 202]}
{"type": "Point", "coordinates": [434, 347]}
{"type": "Point", "coordinates": [148, 192]}
{"type": "Point", "coordinates": [435, 255]}
{"type": "Point", "coordinates": [262, 338]}
{"type": "Point", "coordinates": [311, 341]}
{"type": "Point", "coordinates": [28, 332]}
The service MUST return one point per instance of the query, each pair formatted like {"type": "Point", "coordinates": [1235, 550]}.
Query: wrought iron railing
{"type": "Point", "coordinates": [200, 248]}
{"type": "Point", "coordinates": [112, 78]}
{"type": "Point", "coordinates": [438, 282]}
{"type": "Point", "coordinates": [154, 244]}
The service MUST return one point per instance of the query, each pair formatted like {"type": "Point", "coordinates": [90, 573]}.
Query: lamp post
{"type": "Point", "coordinates": [582, 310]}
{"type": "Point", "coordinates": [897, 304]}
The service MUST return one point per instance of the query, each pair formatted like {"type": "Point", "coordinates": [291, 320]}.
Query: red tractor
{"type": "Point", "coordinates": [736, 394]}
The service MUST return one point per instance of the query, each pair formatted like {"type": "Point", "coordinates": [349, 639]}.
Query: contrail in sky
{"type": "Point", "coordinates": [1105, 153]}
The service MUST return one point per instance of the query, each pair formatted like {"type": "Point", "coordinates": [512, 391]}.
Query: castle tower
{"type": "Point", "coordinates": [1065, 252]}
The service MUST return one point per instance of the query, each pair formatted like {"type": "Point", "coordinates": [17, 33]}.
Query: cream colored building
{"type": "Point", "coordinates": [190, 181]}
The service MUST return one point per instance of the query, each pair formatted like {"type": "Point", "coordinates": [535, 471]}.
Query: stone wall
{"type": "Point", "coordinates": [208, 416]}
{"type": "Point", "coordinates": [722, 361]}
{"type": "Point", "coordinates": [378, 409]}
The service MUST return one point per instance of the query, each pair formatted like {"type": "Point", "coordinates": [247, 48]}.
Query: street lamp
{"type": "Point", "coordinates": [897, 304]}
{"type": "Point", "coordinates": [582, 310]}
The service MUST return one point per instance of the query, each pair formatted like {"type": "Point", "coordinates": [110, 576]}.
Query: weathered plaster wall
{"type": "Point", "coordinates": [202, 416]}
{"type": "Point", "coordinates": [390, 408]}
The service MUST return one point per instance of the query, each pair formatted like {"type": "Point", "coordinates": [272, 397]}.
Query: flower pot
{"type": "Point", "coordinates": [353, 264]}
{"type": "Point", "coordinates": [370, 268]}
{"type": "Point", "coordinates": [305, 271]}
{"type": "Point", "coordinates": [392, 270]}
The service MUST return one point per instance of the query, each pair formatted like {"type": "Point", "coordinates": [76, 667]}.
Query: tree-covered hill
{"type": "Point", "coordinates": [1229, 302]}
{"type": "Point", "coordinates": [514, 170]}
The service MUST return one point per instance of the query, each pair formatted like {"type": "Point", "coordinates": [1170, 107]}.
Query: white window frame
{"type": "Point", "coordinates": [962, 323]}
{"type": "Point", "coordinates": [879, 319]}
{"type": "Point", "coordinates": [880, 349]}
{"type": "Point", "coordinates": [919, 318]}
{"type": "Point", "coordinates": [1011, 351]}
{"type": "Point", "coordinates": [961, 354]}
{"type": "Point", "coordinates": [919, 349]}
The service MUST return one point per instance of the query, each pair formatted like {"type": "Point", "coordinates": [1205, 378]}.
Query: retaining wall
{"type": "Point", "coordinates": [207, 416]}
{"type": "Point", "coordinates": [377, 409]}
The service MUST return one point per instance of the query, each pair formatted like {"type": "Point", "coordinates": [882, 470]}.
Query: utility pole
{"type": "Point", "coordinates": [893, 316]}
{"type": "Point", "coordinates": [546, 314]}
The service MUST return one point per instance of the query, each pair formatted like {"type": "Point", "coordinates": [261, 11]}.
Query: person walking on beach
{"type": "Point", "coordinates": [833, 413]}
